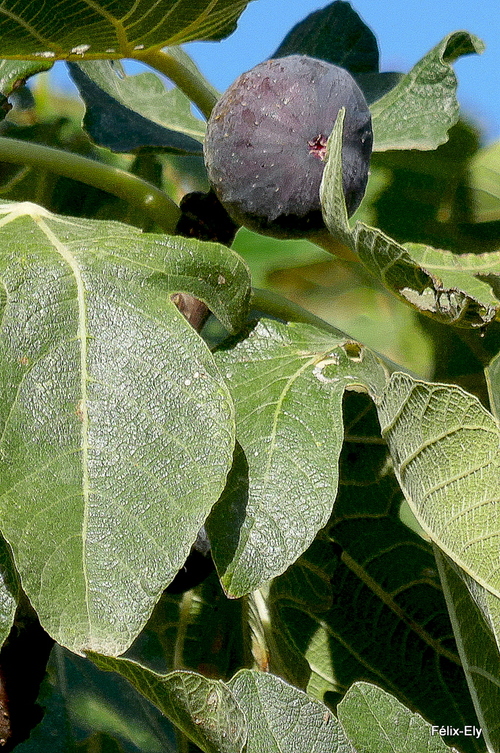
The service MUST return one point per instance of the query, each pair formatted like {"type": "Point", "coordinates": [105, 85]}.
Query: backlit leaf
{"type": "Point", "coordinates": [419, 111]}
{"type": "Point", "coordinates": [446, 451]}
{"type": "Point", "coordinates": [368, 576]}
{"type": "Point", "coordinates": [110, 28]}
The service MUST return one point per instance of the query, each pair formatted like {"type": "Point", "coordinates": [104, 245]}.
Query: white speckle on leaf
{"type": "Point", "coordinates": [80, 49]}
{"type": "Point", "coordinates": [213, 698]}
{"type": "Point", "coordinates": [334, 360]}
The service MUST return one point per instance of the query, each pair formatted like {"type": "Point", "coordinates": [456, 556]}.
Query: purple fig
{"type": "Point", "coordinates": [266, 142]}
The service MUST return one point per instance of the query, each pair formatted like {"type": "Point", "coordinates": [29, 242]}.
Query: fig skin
{"type": "Point", "coordinates": [266, 141]}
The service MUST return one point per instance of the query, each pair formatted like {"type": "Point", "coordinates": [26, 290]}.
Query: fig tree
{"type": "Point", "coordinates": [266, 142]}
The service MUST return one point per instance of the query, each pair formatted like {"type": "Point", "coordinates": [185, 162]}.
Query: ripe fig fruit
{"type": "Point", "coordinates": [266, 142]}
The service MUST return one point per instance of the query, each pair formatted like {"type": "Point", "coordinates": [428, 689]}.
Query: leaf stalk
{"type": "Point", "coordinates": [192, 84]}
{"type": "Point", "coordinates": [154, 203]}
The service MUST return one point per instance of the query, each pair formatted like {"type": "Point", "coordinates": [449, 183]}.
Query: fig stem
{"type": "Point", "coordinates": [189, 81]}
{"type": "Point", "coordinates": [273, 304]}
{"type": "Point", "coordinates": [153, 202]}
{"type": "Point", "coordinates": [324, 239]}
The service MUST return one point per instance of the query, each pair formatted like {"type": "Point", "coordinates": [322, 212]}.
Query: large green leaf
{"type": "Point", "coordinates": [365, 578]}
{"type": "Point", "coordinates": [283, 719]}
{"type": "Point", "coordinates": [117, 430]}
{"type": "Point", "coordinates": [125, 113]}
{"type": "Point", "coordinates": [205, 710]}
{"type": "Point", "coordinates": [418, 112]}
{"type": "Point", "coordinates": [475, 614]}
{"type": "Point", "coordinates": [455, 289]}
{"type": "Point", "coordinates": [445, 448]}
{"type": "Point", "coordinates": [376, 721]}
{"type": "Point", "coordinates": [287, 382]}
{"type": "Point", "coordinates": [110, 28]}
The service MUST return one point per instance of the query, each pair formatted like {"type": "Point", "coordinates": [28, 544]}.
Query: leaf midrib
{"type": "Point", "coordinates": [81, 335]}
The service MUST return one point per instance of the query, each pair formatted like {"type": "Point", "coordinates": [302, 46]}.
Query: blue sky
{"type": "Point", "coordinates": [405, 29]}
